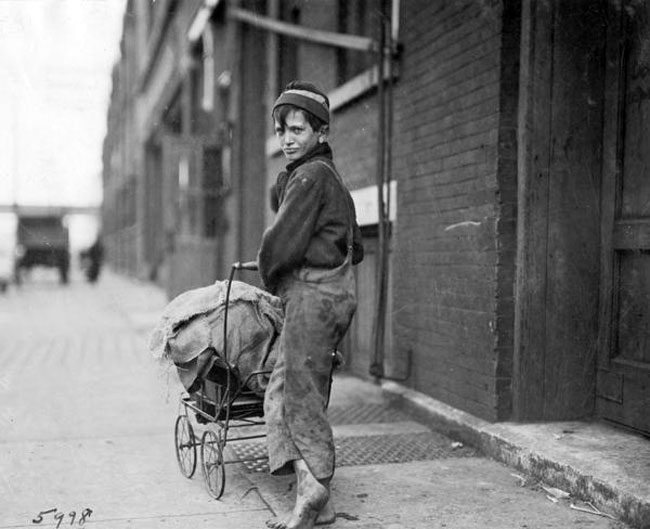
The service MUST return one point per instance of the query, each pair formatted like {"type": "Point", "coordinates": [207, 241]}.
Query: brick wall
{"type": "Point", "coordinates": [454, 160]}
{"type": "Point", "coordinates": [354, 141]}
{"type": "Point", "coordinates": [451, 241]}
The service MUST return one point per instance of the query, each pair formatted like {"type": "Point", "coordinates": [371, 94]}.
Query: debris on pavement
{"type": "Point", "coordinates": [522, 479]}
{"type": "Point", "coordinates": [557, 494]}
{"type": "Point", "coordinates": [591, 509]}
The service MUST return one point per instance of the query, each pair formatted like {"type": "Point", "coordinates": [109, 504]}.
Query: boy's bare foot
{"type": "Point", "coordinates": [312, 496]}
{"type": "Point", "coordinates": [326, 516]}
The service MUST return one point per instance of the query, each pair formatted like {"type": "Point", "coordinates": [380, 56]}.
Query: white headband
{"type": "Point", "coordinates": [311, 95]}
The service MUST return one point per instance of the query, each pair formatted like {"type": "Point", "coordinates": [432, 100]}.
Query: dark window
{"type": "Point", "coordinates": [150, 11]}
{"type": "Point", "coordinates": [196, 92]}
{"type": "Point", "coordinates": [212, 188]}
{"type": "Point", "coordinates": [154, 219]}
{"type": "Point", "coordinates": [288, 48]}
{"type": "Point", "coordinates": [172, 117]}
{"type": "Point", "coordinates": [200, 115]}
{"type": "Point", "coordinates": [362, 18]}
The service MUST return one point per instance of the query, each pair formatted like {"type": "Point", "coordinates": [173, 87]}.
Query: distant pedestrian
{"type": "Point", "coordinates": [92, 260]}
{"type": "Point", "coordinates": [306, 259]}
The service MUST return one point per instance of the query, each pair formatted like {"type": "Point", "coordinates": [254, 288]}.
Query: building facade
{"type": "Point", "coordinates": [497, 169]}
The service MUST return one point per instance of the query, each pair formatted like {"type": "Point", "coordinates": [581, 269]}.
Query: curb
{"type": "Point", "coordinates": [500, 441]}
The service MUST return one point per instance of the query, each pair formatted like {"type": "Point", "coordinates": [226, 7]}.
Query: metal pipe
{"type": "Point", "coordinates": [387, 173]}
{"type": "Point", "coordinates": [390, 46]}
{"type": "Point", "coordinates": [384, 160]}
{"type": "Point", "coordinates": [377, 364]}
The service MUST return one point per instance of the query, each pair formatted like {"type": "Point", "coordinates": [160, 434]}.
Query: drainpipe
{"type": "Point", "coordinates": [388, 39]}
{"type": "Point", "coordinates": [385, 53]}
{"type": "Point", "coordinates": [379, 323]}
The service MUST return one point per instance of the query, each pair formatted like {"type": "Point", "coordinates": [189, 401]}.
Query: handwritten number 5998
{"type": "Point", "coordinates": [60, 516]}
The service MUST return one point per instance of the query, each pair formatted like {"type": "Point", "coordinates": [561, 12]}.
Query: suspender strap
{"type": "Point", "coordinates": [349, 240]}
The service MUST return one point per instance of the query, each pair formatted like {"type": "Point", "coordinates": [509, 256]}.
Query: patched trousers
{"type": "Point", "coordinates": [319, 305]}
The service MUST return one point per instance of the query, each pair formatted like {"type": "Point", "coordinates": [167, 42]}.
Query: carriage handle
{"type": "Point", "coordinates": [249, 265]}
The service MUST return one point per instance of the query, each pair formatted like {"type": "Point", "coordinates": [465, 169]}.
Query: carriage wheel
{"type": "Point", "coordinates": [185, 446]}
{"type": "Point", "coordinates": [214, 469]}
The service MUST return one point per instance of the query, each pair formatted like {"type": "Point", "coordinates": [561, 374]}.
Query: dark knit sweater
{"type": "Point", "coordinates": [314, 214]}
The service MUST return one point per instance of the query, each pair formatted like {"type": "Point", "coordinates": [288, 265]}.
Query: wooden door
{"type": "Point", "coordinates": [623, 381]}
{"type": "Point", "coordinates": [192, 187]}
{"type": "Point", "coordinates": [359, 346]}
{"type": "Point", "coordinates": [558, 218]}
{"type": "Point", "coordinates": [154, 242]}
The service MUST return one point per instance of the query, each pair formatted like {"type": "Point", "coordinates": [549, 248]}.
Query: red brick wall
{"type": "Point", "coordinates": [448, 249]}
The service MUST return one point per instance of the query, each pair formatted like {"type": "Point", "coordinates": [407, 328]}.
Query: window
{"type": "Point", "coordinates": [362, 18]}
{"type": "Point", "coordinates": [212, 191]}
{"type": "Point", "coordinates": [150, 4]}
{"type": "Point", "coordinates": [329, 67]}
{"type": "Point", "coordinates": [288, 47]}
{"type": "Point", "coordinates": [172, 118]}
{"type": "Point", "coordinates": [196, 82]}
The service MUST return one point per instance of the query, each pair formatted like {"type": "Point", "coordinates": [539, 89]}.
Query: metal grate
{"type": "Point", "coordinates": [400, 448]}
{"type": "Point", "coordinates": [365, 414]}
{"type": "Point", "coordinates": [369, 450]}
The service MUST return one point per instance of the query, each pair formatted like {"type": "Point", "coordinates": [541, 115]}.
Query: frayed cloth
{"type": "Point", "coordinates": [193, 323]}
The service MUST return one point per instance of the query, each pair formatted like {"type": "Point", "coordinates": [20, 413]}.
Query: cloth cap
{"type": "Point", "coordinates": [305, 100]}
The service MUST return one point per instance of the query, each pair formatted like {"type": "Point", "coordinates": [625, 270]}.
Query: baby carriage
{"type": "Point", "coordinates": [224, 369]}
{"type": "Point", "coordinates": [221, 400]}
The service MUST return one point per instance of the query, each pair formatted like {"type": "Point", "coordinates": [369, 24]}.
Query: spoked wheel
{"type": "Point", "coordinates": [185, 446]}
{"type": "Point", "coordinates": [214, 469]}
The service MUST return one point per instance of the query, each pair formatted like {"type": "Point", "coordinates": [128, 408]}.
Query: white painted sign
{"type": "Point", "coordinates": [366, 204]}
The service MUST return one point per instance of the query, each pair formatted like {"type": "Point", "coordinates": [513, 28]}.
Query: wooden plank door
{"type": "Point", "coordinates": [558, 217]}
{"type": "Point", "coordinates": [359, 344]}
{"type": "Point", "coordinates": [190, 196]}
{"type": "Point", "coordinates": [623, 381]}
{"type": "Point", "coordinates": [154, 236]}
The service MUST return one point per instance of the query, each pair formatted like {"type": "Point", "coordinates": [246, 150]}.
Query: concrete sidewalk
{"type": "Point", "coordinates": [448, 485]}
{"type": "Point", "coordinates": [606, 466]}
{"type": "Point", "coordinates": [87, 422]}
{"type": "Point", "coordinates": [592, 462]}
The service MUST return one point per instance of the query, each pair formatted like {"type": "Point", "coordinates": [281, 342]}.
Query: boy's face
{"type": "Point", "coordinates": [297, 138]}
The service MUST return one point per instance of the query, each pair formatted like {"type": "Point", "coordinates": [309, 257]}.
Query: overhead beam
{"type": "Point", "coordinates": [327, 38]}
{"type": "Point", "coordinates": [45, 210]}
